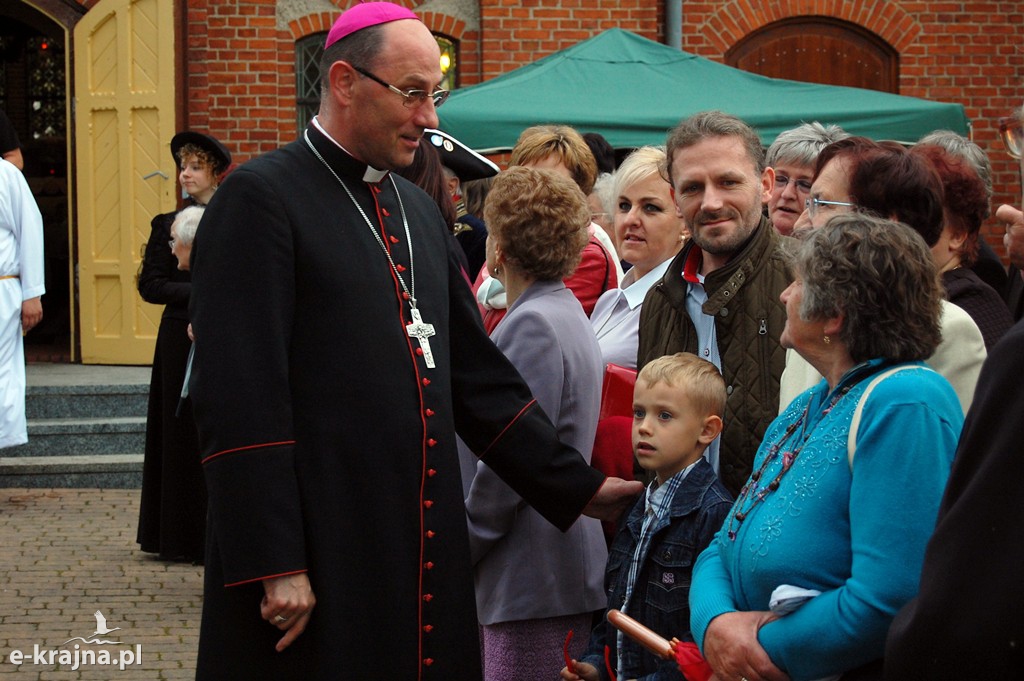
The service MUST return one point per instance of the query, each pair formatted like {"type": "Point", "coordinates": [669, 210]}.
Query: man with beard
{"type": "Point", "coordinates": [719, 298]}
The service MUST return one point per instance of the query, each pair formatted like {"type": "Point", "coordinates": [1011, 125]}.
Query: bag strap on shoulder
{"type": "Point", "coordinates": [851, 441]}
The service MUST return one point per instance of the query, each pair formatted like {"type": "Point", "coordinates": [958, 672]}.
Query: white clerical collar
{"type": "Point", "coordinates": [635, 292]}
{"type": "Point", "coordinates": [371, 175]}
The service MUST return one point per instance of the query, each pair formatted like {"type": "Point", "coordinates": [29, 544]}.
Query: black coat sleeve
{"type": "Point", "coordinates": [157, 280]}
{"type": "Point", "coordinates": [242, 311]}
{"type": "Point", "coordinates": [966, 620]}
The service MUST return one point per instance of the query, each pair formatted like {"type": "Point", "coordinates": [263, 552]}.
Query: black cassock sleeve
{"type": "Point", "coordinates": [242, 309]}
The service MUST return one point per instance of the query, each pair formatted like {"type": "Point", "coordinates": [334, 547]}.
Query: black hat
{"type": "Point", "coordinates": [221, 155]}
{"type": "Point", "coordinates": [463, 161]}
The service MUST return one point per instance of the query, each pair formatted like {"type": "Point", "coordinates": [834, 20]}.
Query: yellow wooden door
{"type": "Point", "coordinates": [124, 121]}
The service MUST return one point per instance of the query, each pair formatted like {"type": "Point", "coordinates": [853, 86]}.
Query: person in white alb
{"type": "Point", "coordinates": [21, 286]}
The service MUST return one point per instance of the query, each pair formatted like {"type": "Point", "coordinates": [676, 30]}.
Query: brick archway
{"type": "Point", "coordinates": [445, 24]}
{"type": "Point", "coordinates": [734, 21]}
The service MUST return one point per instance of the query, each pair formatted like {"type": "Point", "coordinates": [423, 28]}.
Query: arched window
{"type": "Point", "coordinates": [308, 52]}
{"type": "Point", "coordinates": [449, 61]}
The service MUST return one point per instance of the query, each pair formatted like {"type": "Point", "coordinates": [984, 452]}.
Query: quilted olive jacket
{"type": "Point", "coordinates": [743, 297]}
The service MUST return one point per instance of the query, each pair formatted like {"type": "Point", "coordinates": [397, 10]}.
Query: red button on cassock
{"type": "Point", "coordinates": [428, 565]}
{"type": "Point", "coordinates": [431, 534]}
{"type": "Point", "coordinates": [428, 597]}
{"type": "Point", "coordinates": [428, 628]}
{"type": "Point", "coordinates": [394, 239]}
{"type": "Point", "coordinates": [429, 661]}
{"type": "Point", "coordinates": [426, 381]}
{"type": "Point", "coordinates": [431, 472]}
{"type": "Point", "coordinates": [385, 212]}
{"type": "Point", "coordinates": [431, 442]}
{"type": "Point", "coordinates": [428, 503]}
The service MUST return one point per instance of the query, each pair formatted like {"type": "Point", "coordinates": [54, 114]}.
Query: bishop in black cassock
{"type": "Point", "coordinates": [328, 444]}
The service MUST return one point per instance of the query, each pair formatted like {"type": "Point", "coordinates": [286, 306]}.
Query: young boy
{"type": "Point", "coordinates": [677, 406]}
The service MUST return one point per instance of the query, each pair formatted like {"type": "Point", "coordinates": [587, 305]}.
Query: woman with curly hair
{"type": "Point", "coordinates": [534, 583]}
{"type": "Point", "coordinates": [832, 524]}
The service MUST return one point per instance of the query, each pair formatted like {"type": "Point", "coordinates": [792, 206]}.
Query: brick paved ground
{"type": "Point", "coordinates": [65, 553]}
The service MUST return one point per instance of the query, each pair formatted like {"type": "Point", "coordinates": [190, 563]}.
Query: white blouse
{"type": "Point", "coordinates": [616, 317]}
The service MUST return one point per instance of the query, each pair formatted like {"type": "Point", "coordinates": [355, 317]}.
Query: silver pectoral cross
{"type": "Point", "coordinates": [421, 332]}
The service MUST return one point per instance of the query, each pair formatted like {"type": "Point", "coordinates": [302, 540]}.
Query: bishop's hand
{"type": "Point", "coordinates": [613, 498]}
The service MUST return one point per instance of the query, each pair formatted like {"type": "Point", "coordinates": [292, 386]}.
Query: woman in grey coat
{"type": "Point", "coordinates": [533, 583]}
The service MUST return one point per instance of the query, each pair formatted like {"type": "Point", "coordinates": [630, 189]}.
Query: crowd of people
{"type": "Point", "coordinates": [389, 373]}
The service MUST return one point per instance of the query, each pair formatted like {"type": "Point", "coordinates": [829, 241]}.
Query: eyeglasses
{"type": "Point", "coordinates": [1013, 135]}
{"type": "Point", "coordinates": [802, 186]}
{"type": "Point", "coordinates": [413, 97]}
{"type": "Point", "coordinates": [171, 244]}
{"type": "Point", "coordinates": [813, 203]}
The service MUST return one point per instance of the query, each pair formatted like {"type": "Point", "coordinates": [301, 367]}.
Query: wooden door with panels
{"type": "Point", "coordinates": [124, 120]}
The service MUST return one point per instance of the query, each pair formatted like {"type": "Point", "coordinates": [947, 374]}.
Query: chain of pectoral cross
{"type": "Point", "coordinates": [417, 329]}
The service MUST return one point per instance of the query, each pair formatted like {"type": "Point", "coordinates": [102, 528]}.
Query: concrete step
{"type": "Point", "coordinates": [111, 471]}
{"type": "Point", "coordinates": [57, 437]}
{"type": "Point", "coordinates": [86, 428]}
{"type": "Point", "coordinates": [85, 401]}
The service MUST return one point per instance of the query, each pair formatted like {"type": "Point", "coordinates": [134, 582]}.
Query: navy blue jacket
{"type": "Point", "coordinates": [661, 597]}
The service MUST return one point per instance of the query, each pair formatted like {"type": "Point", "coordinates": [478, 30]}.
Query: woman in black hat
{"type": "Point", "coordinates": [172, 516]}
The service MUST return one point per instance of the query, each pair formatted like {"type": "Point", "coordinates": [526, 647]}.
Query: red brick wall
{"type": "Point", "coordinates": [240, 68]}
{"type": "Point", "coordinates": [971, 53]}
{"type": "Point", "coordinates": [517, 32]}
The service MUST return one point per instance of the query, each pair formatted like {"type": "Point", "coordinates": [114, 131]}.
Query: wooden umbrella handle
{"type": "Point", "coordinates": [641, 634]}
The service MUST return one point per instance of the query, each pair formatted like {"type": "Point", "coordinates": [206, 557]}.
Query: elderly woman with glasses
{"type": "Point", "coordinates": [534, 583]}
{"type": "Point", "coordinates": [792, 156]}
{"type": "Point", "coordinates": [884, 179]}
{"type": "Point", "coordinates": [809, 568]}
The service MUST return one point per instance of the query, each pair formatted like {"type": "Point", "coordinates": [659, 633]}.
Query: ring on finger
{"type": "Point", "coordinates": [279, 619]}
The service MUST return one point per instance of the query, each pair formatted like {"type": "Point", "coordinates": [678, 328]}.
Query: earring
{"type": "Point", "coordinates": [827, 340]}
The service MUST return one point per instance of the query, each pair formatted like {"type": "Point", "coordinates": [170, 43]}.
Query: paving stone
{"type": "Point", "coordinates": [70, 552]}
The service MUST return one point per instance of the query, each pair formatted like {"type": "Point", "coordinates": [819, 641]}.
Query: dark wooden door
{"type": "Point", "coordinates": [819, 50]}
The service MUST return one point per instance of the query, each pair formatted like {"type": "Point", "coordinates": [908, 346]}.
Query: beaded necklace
{"type": "Point", "coordinates": [755, 493]}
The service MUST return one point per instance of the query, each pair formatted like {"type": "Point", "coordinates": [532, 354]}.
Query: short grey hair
{"type": "Point", "coordinates": [186, 222]}
{"type": "Point", "coordinates": [710, 124]}
{"type": "Point", "coordinates": [638, 166]}
{"type": "Point", "coordinates": [880, 276]}
{"type": "Point", "coordinates": [604, 189]}
{"type": "Point", "coordinates": [802, 144]}
{"type": "Point", "coordinates": [966, 150]}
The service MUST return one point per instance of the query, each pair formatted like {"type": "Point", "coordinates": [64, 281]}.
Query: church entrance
{"type": "Point", "coordinates": [33, 94]}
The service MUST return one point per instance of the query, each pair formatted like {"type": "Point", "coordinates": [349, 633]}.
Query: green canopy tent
{"type": "Point", "coordinates": [633, 90]}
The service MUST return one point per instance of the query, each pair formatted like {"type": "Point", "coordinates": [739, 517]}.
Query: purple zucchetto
{"type": "Point", "coordinates": [364, 15]}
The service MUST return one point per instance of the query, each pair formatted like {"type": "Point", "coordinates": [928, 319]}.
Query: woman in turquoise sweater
{"type": "Point", "coordinates": [840, 518]}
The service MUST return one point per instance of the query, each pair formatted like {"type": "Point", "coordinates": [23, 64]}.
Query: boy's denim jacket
{"type": "Point", "coordinates": [660, 598]}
